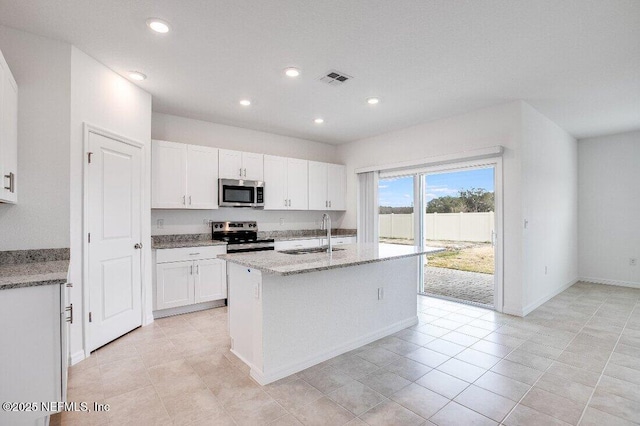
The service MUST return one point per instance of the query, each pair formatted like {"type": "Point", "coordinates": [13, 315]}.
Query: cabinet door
{"type": "Point", "coordinates": [210, 280]}
{"type": "Point", "coordinates": [337, 187]}
{"type": "Point", "coordinates": [168, 175]}
{"type": "Point", "coordinates": [202, 177]}
{"type": "Point", "coordinates": [230, 164]}
{"type": "Point", "coordinates": [252, 166]}
{"type": "Point", "coordinates": [275, 183]}
{"type": "Point", "coordinates": [318, 186]}
{"type": "Point", "coordinates": [174, 284]}
{"type": "Point", "coordinates": [8, 137]}
{"type": "Point", "coordinates": [297, 184]}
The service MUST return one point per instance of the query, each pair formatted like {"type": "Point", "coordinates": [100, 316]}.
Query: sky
{"type": "Point", "coordinates": [398, 192]}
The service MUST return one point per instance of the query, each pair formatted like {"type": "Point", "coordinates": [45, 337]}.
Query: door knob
{"type": "Point", "coordinates": [138, 246]}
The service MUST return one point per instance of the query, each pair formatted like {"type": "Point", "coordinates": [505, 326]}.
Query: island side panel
{"type": "Point", "coordinates": [309, 318]}
{"type": "Point", "coordinates": [245, 314]}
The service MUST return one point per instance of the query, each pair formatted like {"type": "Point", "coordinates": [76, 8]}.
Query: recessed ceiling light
{"type": "Point", "coordinates": [158, 25]}
{"type": "Point", "coordinates": [245, 102]}
{"type": "Point", "coordinates": [373, 101]}
{"type": "Point", "coordinates": [137, 75]}
{"type": "Point", "coordinates": [318, 121]}
{"type": "Point", "coordinates": [292, 72]}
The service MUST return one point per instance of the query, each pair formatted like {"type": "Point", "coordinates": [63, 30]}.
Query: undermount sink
{"type": "Point", "coordinates": [310, 250]}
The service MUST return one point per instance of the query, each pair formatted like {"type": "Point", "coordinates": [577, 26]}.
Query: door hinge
{"type": "Point", "coordinates": [89, 154]}
{"type": "Point", "coordinates": [90, 317]}
{"type": "Point", "coordinates": [89, 237]}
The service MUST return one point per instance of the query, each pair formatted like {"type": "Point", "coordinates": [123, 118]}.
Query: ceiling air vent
{"type": "Point", "coordinates": [335, 78]}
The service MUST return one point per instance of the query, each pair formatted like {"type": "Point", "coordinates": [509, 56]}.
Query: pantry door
{"type": "Point", "coordinates": [114, 197]}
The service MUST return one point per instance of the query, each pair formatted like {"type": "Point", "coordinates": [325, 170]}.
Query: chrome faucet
{"type": "Point", "coordinates": [326, 225]}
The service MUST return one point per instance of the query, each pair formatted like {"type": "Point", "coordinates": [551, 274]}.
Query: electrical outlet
{"type": "Point", "coordinates": [282, 221]}
{"type": "Point", "coordinates": [160, 223]}
{"type": "Point", "coordinates": [633, 261]}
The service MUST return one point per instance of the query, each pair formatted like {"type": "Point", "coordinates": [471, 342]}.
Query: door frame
{"type": "Point", "coordinates": [87, 129]}
{"type": "Point", "coordinates": [420, 231]}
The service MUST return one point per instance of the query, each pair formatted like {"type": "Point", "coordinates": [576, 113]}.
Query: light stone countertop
{"type": "Point", "coordinates": [187, 243]}
{"type": "Point", "coordinates": [33, 274]}
{"type": "Point", "coordinates": [279, 263]}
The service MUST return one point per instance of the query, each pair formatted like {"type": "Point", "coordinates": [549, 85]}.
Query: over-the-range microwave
{"type": "Point", "coordinates": [240, 193]}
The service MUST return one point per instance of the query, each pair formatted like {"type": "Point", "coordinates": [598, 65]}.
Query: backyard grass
{"type": "Point", "coordinates": [478, 258]}
{"type": "Point", "coordinates": [460, 255]}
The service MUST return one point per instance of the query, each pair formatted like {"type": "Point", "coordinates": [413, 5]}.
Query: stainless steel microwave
{"type": "Point", "coordinates": [240, 193]}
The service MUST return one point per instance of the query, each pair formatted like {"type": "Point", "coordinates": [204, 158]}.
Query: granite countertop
{"type": "Point", "coordinates": [183, 240]}
{"type": "Point", "coordinates": [201, 240]}
{"type": "Point", "coordinates": [30, 268]}
{"type": "Point", "coordinates": [305, 234]}
{"type": "Point", "coordinates": [279, 263]}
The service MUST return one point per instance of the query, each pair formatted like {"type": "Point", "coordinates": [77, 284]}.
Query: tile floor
{"type": "Point", "coordinates": [575, 360]}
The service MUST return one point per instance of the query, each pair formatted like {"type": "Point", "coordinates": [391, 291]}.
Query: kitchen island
{"type": "Point", "coordinates": [291, 310]}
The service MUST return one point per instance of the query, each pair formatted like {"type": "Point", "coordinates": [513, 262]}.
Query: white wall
{"type": "Point", "coordinates": [550, 207]}
{"type": "Point", "coordinates": [186, 130]}
{"type": "Point", "coordinates": [41, 68]}
{"type": "Point", "coordinates": [609, 208]}
{"type": "Point", "coordinates": [103, 99]}
{"type": "Point", "coordinates": [499, 125]}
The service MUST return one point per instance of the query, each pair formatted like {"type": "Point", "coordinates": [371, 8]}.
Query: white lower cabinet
{"type": "Point", "coordinates": [297, 244]}
{"type": "Point", "coordinates": [187, 276]}
{"type": "Point", "coordinates": [210, 280]}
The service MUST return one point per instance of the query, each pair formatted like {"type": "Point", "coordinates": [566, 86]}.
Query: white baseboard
{"type": "Point", "coordinates": [77, 356]}
{"type": "Point", "coordinates": [535, 304]}
{"type": "Point", "coordinates": [631, 284]}
{"type": "Point", "coordinates": [264, 379]}
{"type": "Point", "coordinates": [189, 308]}
{"type": "Point", "coordinates": [512, 310]}
{"type": "Point", "coordinates": [148, 319]}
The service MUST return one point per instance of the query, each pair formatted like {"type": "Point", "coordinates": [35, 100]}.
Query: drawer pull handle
{"type": "Point", "coordinates": [193, 254]}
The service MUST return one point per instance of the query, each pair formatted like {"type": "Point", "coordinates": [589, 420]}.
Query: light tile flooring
{"type": "Point", "coordinates": [575, 360]}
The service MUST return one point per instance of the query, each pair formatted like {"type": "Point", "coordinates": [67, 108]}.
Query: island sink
{"type": "Point", "coordinates": [309, 250]}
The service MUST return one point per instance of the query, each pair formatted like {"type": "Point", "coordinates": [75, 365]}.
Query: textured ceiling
{"type": "Point", "coordinates": [576, 61]}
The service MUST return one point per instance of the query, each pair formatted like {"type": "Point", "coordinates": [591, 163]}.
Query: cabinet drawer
{"type": "Point", "coordinates": [296, 244]}
{"type": "Point", "coordinates": [189, 253]}
{"type": "Point", "coordinates": [339, 241]}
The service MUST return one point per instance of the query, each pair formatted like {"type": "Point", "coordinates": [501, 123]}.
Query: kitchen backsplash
{"type": "Point", "coordinates": [197, 221]}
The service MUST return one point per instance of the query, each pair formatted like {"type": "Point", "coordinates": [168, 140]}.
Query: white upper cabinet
{"type": "Point", "coordinates": [275, 180]}
{"type": "Point", "coordinates": [285, 183]}
{"type": "Point", "coordinates": [318, 186]}
{"type": "Point", "coordinates": [241, 165]}
{"type": "Point", "coordinates": [8, 134]}
{"type": "Point", "coordinates": [327, 186]}
{"type": "Point", "coordinates": [168, 175]}
{"type": "Point", "coordinates": [202, 177]}
{"type": "Point", "coordinates": [337, 186]}
{"type": "Point", "coordinates": [297, 187]}
{"type": "Point", "coordinates": [183, 176]}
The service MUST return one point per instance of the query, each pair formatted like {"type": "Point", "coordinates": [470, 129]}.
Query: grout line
{"type": "Point", "coordinates": [547, 369]}
{"type": "Point", "coordinates": [607, 364]}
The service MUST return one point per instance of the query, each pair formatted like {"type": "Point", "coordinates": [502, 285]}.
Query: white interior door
{"type": "Point", "coordinates": [114, 220]}
{"type": "Point", "coordinates": [202, 177]}
{"type": "Point", "coordinates": [297, 177]}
